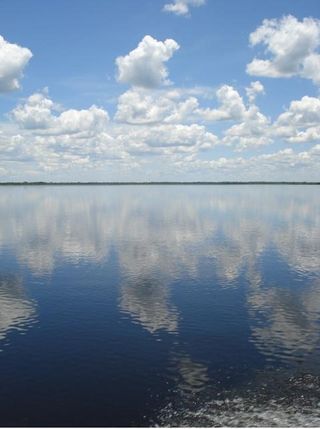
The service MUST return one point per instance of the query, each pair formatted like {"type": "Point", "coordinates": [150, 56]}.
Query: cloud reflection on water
{"type": "Point", "coordinates": [161, 234]}
{"type": "Point", "coordinates": [17, 312]}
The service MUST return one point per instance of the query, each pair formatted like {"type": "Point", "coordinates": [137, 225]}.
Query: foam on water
{"type": "Point", "coordinates": [290, 402]}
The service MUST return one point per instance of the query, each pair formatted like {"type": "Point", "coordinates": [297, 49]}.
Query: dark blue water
{"type": "Point", "coordinates": [159, 305]}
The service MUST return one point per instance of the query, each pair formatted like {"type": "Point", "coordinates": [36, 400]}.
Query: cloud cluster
{"type": "Point", "coordinates": [276, 166]}
{"type": "Point", "coordinates": [145, 65]}
{"type": "Point", "coordinates": [292, 46]}
{"type": "Point", "coordinates": [57, 138]}
{"type": "Point", "coordinates": [164, 124]}
{"type": "Point", "coordinates": [142, 107]}
{"type": "Point", "coordinates": [13, 59]}
{"type": "Point", "coordinates": [54, 138]}
{"type": "Point", "coordinates": [169, 127]}
{"type": "Point", "coordinates": [182, 7]}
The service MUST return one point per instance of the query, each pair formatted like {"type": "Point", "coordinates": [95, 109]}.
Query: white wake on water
{"type": "Point", "coordinates": [291, 403]}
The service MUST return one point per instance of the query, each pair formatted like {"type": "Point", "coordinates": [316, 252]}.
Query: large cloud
{"type": "Point", "coordinates": [13, 59]}
{"type": "Point", "coordinates": [167, 124]}
{"type": "Point", "coordinates": [138, 106]}
{"type": "Point", "coordinates": [181, 7]}
{"type": "Point", "coordinates": [145, 65]}
{"type": "Point", "coordinates": [292, 46]}
{"type": "Point", "coordinates": [57, 139]}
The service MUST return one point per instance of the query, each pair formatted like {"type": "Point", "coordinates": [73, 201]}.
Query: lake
{"type": "Point", "coordinates": [160, 305]}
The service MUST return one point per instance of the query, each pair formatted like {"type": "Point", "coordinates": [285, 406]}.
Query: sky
{"type": "Point", "coordinates": [159, 90]}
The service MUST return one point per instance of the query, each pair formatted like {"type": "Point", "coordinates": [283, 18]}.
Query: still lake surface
{"type": "Point", "coordinates": [159, 305]}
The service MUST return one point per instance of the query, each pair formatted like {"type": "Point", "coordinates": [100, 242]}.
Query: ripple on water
{"type": "Point", "coordinates": [16, 311]}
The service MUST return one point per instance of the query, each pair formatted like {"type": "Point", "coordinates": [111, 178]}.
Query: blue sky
{"type": "Point", "coordinates": [162, 111]}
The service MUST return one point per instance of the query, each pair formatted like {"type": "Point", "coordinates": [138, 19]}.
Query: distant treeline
{"type": "Point", "coordinates": [159, 183]}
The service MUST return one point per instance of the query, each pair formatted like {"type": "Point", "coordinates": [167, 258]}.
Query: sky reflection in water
{"type": "Point", "coordinates": [157, 291]}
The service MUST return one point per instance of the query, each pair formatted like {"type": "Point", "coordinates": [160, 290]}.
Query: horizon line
{"type": "Point", "coordinates": [253, 182]}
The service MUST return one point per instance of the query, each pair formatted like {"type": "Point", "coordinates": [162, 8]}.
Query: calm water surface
{"type": "Point", "coordinates": [159, 305]}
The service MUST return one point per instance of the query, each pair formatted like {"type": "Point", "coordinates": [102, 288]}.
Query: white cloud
{"type": "Point", "coordinates": [145, 65]}
{"type": "Point", "coordinates": [311, 68]}
{"type": "Point", "coordinates": [292, 47]}
{"type": "Point", "coordinates": [55, 139]}
{"type": "Point", "coordinates": [304, 112]}
{"type": "Point", "coordinates": [166, 139]}
{"type": "Point", "coordinates": [144, 107]}
{"type": "Point", "coordinates": [35, 113]}
{"type": "Point", "coordinates": [284, 164]}
{"type": "Point", "coordinates": [75, 121]}
{"type": "Point", "coordinates": [141, 107]}
{"type": "Point", "coordinates": [253, 90]}
{"type": "Point", "coordinates": [159, 129]}
{"type": "Point", "coordinates": [301, 122]}
{"type": "Point", "coordinates": [232, 106]}
{"type": "Point", "coordinates": [13, 59]}
{"type": "Point", "coordinates": [38, 113]}
{"type": "Point", "coordinates": [158, 109]}
{"type": "Point", "coordinates": [253, 131]}
{"type": "Point", "coordinates": [182, 7]}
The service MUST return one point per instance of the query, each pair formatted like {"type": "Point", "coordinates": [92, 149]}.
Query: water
{"type": "Point", "coordinates": [160, 305]}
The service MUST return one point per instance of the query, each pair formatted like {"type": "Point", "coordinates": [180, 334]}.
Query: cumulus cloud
{"type": "Point", "coordinates": [280, 165]}
{"type": "Point", "coordinates": [154, 108]}
{"type": "Point", "coordinates": [145, 65]}
{"type": "Point", "coordinates": [150, 127]}
{"type": "Point", "coordinates": [182, 7]}
{"type": "Point", "coordinates": [292, 46]}
{"type": "Point", "coordinates": [140, 107]}
{"type": "Point", "coordinates": [231, 106]}
{"type": "Point", "coordinates": [56, 139]}
{"type": "Point", "coordinates": [167, 139]}
{"type": "Point", "coordinates": [253, 131]}
{"type": "Point", "coordinates": [253, 90]}
{"type": "Point", "coordinates": [35, 113]}
{"type": "Point", "coordinates": [13, 59]}
{"type": "Point", "coordinates": [300, 123]}
{"type": "Point", "coordinates": [39, 112]}
{"type": "Point", "coordinates": [74, 121]}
